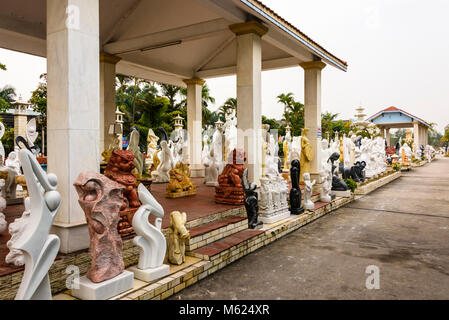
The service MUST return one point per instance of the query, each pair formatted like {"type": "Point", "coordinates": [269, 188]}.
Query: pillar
{"type": "Point", "coordinates": [416, 136]}
{"type": "Point", "coordinates": [312, 110]}
{"type": "Point", "coordinates": [73, 108]}
{"type": "Point", "coordinates": [195, 125]}
{"type": "Point", "coordinates": [107, 98]}
{"type": "Point", "coordinates": [249, 93]}
{"type": "Point", "coordinates": [20, 122]}
{"type": "Point", "coordinates": [387, 136]}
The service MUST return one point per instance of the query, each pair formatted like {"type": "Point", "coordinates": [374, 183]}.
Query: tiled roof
{"type": "Point", "coordinates": [391, 109]}
{"type": "Point", "coordinates": [295, 30]}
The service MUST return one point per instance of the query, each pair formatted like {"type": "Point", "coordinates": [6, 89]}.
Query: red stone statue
{"type": "Point", "coordinates": [230, 189]}
{"type": "Point", "coordinates": [101, 198]}
{"type": "Point", "coordinates": [119, 168]}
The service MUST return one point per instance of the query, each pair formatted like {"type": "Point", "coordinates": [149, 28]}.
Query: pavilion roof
{"type": "Point", "coordinates": [394, 109]}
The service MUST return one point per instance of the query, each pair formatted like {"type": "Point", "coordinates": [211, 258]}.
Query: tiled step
{"type": "Point", "coordinates": [213, 231]}
{"type": "Point", "coordinates": [211, 251]}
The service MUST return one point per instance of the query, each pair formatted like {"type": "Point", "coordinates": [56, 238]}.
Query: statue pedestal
{"type": "Point", "coordinates": [342, 194]}
{"type": "Point", "coordinates": [274, 217]}
{"type": "Point", "coordinates": [89, 290]}
{"type": "Point", "coordinates": [174, 195]}
{"type": "Point", "coordinates": [212, 184]}
{"type": "Point", "coordinates": [150, 274]}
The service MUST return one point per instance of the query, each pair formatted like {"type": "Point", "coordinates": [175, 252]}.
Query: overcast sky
{"type": "Point", "coordinates": [397, 52]}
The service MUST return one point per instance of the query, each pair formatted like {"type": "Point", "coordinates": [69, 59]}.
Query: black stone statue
{"type": "Point", "coordinates": [251, 201]}
{"type": "Point", "coordinates": [337, 183]}
{"type": "Point", "coordinates": [422, 150]}
{"type": "Point", "coordinates": [358, 142]}
{"type": "Point", "coordinates": [295, 192]}
{"type": "Point", "coordinates": [22, 141]}
{"type": "Point", "coordinates": [355, 172]}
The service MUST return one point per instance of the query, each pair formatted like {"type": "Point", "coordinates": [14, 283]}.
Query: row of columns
{"type": "Point", "coordinates": [81, 105]}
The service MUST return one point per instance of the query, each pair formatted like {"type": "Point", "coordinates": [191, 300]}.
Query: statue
{"type": "Point", "coordinates": [31, 132]}
{"type": "Point", "coordinates": [13, 162]}
{"type": "Point", "coordinates": [251, 201]}
{"type": "Point", "coordinates": [286, 146]}
{"type": "Point", "coordinates": [3, 223]}
{"type": "Point", "coordinates": [230, 131]}
{"type": "Point", "coordinates": [149, 239]}
{"type": "Point", "coordinates": [180, 184]}
{"type": "Point", "coordinates": [119, 169]}
{"type": "Point", "coordinates": [306, 154]}
{"type": "Point", "coordinates": [295, 152]}
{"type": "Point", "coordinates": [229, 190]}
{"type": "Point", "coordinates": [2, 149]}
{"type": "Point", "coordinates": [325, 192]}
{"type": "Point", "coordinates": [308, 204]}
{"type": "Point", "coordinates": [177, 236]}
{"type": "Point", "coordinates": [134, 148]}
{"type": "Point", "coordinates": [295, 191]}
{"type": "Point", "coordinates": [152, 140]}
{"type": "Point", "coordinates": [38, 247]}
{"type": "Point", "coordinates": [337, 183]}
{"type": "Point", "coordinates": [161, 174]}
{"type": "Point", "coordinates": [101, 199]}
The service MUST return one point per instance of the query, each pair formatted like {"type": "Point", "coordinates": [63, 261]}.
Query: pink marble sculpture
{"type": "Point", "coordinates": [101, 198]}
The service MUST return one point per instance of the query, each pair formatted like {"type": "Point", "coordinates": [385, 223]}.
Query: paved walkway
{"type": "Point", "coordinates": [402, 228]}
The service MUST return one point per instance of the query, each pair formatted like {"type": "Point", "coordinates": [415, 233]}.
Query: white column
{"type": "Point", "coordinates": [107, 98]}
{"type": "Point", "coordinates": [20, 122]}
{"type": "Point", "coordinates": [416, 136]}
{"type": "Point", "coordinates": [73, 108]}
{"type": "Point", "coordinates": [249, 93]}
{"type": "Point", "coordinates": [312, 109]}
{"type": "Point", "coordinates": [195, 125]}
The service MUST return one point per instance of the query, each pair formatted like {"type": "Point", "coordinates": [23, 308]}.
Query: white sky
{"type": "Point", "coordinates": [397, 53]}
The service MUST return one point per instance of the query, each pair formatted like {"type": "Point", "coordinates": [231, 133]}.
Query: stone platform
{"type": "Point", "coordinates": [373, 184]}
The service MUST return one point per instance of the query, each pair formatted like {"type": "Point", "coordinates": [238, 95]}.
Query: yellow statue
{"type": "Point", "coordinates": [306, 155]}
{"type": "Point", "coordinates": [342, 157]}
{"type": "Point", "coordinates": [286, 150]}
{"type": "Point", "coordinates": [180, 184]}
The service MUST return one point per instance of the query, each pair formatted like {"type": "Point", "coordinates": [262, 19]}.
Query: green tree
{"type": "Point", "coordinates": [7, 97]}
{"type": "Point", "coordinates": [400, 134]}
{"type": "Point", "coordinates": [208, 117]}
{"type": "Point", "coordinates": [230, 103]}
{"type": "Point", "coordinates": [2, 67]}
{"type": "Point", "coordinates": [293, 113]}
{"type": "Point", "coordinates": [170, 92]}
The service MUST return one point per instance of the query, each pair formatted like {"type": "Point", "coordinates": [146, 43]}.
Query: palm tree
{"type": "Point", "coordinates": [171, 92]}
{"type": "Point", "coordinates": [231, 103]}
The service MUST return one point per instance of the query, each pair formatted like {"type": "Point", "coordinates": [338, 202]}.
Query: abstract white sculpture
{"type": "Point", "coordinates": [3, 223]}
{"type": "Point", "coordinates": [308, 204]}
{"type": "Point", "coordinates": [39, 247]}
{"type": "Point", "coordinates": [31, 132]}
{"type": "Point", "coordinates": [149, 238]}
{"type": "Point", "coordinates": [165, 156]}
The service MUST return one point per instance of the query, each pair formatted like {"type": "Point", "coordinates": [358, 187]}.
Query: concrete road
{"type": "Point", "coordinates": [401, 228]}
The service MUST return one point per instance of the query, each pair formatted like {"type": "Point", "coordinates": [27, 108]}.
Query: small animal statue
{"type": "Point", "coordinates": [177, 236]}
{"type": "Point", "coordinates": [251, 201]}
{"type": "Point", "coordinates": [357, 169]}
{"type": "Point", "coordinates": [295, 192]}
{"type": "Point", "coordinates": [119, 169]}
{"type": "Point", "coordinates": [149, 237]}
{"type": "Point", "coordinates": [337, 183]}
{"type": "Point", "coordinates": [308, 204]}
{"type": "Point", "coordinates": [179, 181]}
{"type": "Point", "coordinates": [37, 245]}
{"type": "Point", "coordinates": [101, 199]}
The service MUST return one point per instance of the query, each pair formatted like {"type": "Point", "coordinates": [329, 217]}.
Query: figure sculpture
{"type": "Point", "coordinates": [152, 140]}
{"type": "Point", "coordinates": [134, 148]}
{"type": "Point", "coordinates": [2, 149]}
{"type": "Point", "coordinates": [177, 237]}
{"type": "Point", "coordinates": [325, 192]}
{"type": "Point", "coordinates": [306, 154]}
{"type": "Point", "coordinates": [308, 204]}
{"type": "Point", "coordinates": [251, 201]}
{"type": "Point", "coordinates": [180, 184]}
{"type": "Point", "coordinates": [3, 223]}
{"type": "Point", "coordinates": [286, 149]}
{"type": "Point", "coordinates": [161, 174]}
{"type": "Point", "coordinates": [230, 190]}
{"type": "Point", "coordinates": [101, 199]}
{"type": "Point", "coordinates": [31, 132]}
{"type": "Point", "coordinates": [149, 239]}
{"type": "Point", "coordinates": [34, 241]}
{"type": "Point", "coordinates": [337, 183]}
{"type": "Point", "coordinates": [295, 191]}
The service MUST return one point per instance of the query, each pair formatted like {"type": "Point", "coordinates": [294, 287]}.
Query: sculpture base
{"type": "Point", "coordinates": [297, 211]}
{"type": "Point", "coordinates": [342, 194]}
{"type": "Point", "coordinates": [212, 184]}
{"type": "Point", "coordinates": [229, 195]}
{"type": "Point", "coordinates": [150, 274]}
{"type": "Point", "coordinates": [309, 206]}
{"type": "Point", "coordinates": [89, 290]}
{"type": "Point", "coordinates": [13, 201]}
{"type": "Point", "coordinates": [174, 195]}
{"type": "Point", "coordinates": [326, 199]}
{"type": "Point", "coordinates": [276, 217]}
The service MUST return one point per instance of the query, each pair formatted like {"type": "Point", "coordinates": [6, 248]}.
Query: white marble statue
{"type": "Point", "coordinates": [149, 239]}
{"type": "Point", "coordinates": [216, 163]}
{"type": "Point", "coordinates": [295, 153]}
{"type": "Point", "coordinates": [134, 148]}
{"type": "Point", "coordinates": [408, 152]}
{"type": "Point", "coordinates": [161, 175]}
{"type": "Point", "coordinates": [230, 131]}
{"type": "Point", "coordinates": [2, 149]}
{"type": "Point", "coordinates": [325, 164]}
{"type": "Point", "coordinates": [31, 132]}
{"type": "Point", "coordinates": [265, 198]}
{"type": "Point", "coordinates": [325, 192]}
{"type": "Point", "coordinates": [13, 162]}
{"type": "Point", "coordinates": [38, 246]}
{"type": "Point", "coordinates": [273, 199]}
{"type": "Point", "coordinates": [349, 152]}
{"type": "Point", "coordinates": [308, 204]}
{"type": "Point", "coordinates": [152, 140]}
{"type": "Point", "coordinates": [3, 223]}
{"type": "Point", "coordinates": [272, 158]}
